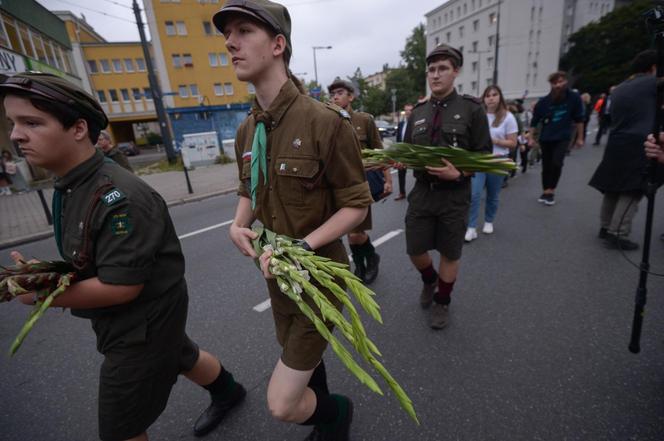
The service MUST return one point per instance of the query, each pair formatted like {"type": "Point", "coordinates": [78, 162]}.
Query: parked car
{"type": "Point", "coordinates": [385, 128]}
{"type": "Point", "coordinates": [129, 148]}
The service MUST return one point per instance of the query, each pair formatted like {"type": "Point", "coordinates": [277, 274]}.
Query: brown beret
{"type": "Point", "coordinates": [273, 14]}
{"type": "Point", "coordinates": [338, 83]}
{"type": "Point", "coordinates": [446, 51]}
{"type": "Point", "coordinates": [56, 89]}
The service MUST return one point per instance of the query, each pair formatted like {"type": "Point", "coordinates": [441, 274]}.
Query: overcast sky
{"type": "Point", "coordinates": [362, 33]}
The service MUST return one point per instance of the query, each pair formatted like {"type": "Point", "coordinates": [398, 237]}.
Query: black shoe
{"type": "Point", "coordinates": [372, 268]}
{"type": "Point", "coordinates": [616, 242]}
{"type": "Point", "coordinates": [360, 270]}
{"type": "Point", "coordinates": [341, 434]}
{"type": "Point", "coordinates": [212, 416]}
{"type": "Point", "coordinates": [549, 199]}
{"type": "Point", "coordinates": [603, 233]}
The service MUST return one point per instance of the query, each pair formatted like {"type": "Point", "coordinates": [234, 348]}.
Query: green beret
{"type": "Point", "coordinates": [56, 89]}
{"type": "Point", "coordinates": [273, 14]}
{"type": "Point", "coordinates": [446, 51]}
{"type": "Point", "coordinates": [338, 83]}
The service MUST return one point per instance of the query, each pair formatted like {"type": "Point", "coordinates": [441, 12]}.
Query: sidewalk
{"type": "Point", "coordinates": [22, 217]}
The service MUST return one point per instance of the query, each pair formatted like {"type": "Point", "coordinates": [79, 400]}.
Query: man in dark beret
{"type": "Point", "coordinates": [437, 214]}
{"type": "Point", "coordinates": [116, 231]}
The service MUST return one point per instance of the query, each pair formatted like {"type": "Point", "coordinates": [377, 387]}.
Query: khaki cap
{"type": "Point", "coordinates": [338, 83]}
{"type": "Point", "coordinates": [446, 51]}
{"type": "Point", "coordinates": [273, 14]}
{"type": "Point", "coordinates": [56, 89]}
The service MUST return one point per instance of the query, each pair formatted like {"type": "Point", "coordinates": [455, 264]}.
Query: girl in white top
{"type": "Point", "coordinates": [504, 131]}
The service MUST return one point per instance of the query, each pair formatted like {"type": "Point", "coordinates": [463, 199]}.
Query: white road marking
{"type": "Point", "coordinates": [265, 305]}
{"type": "Point", "coordinates": [203, 230]}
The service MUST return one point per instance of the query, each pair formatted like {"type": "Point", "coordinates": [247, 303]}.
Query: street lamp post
{"type": "Point", "coordinates": [394, 104]}
{"type": "Point", "coordinates": [315, 48]}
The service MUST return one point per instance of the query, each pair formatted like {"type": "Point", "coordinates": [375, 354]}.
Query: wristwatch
{"type": "Point", "coordinates": [303, 244]}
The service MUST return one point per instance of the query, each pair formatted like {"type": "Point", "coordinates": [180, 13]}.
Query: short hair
{"type": "Point", "coordinates": [557, 76]}
{"type": "Point", "coordinates": [644, 61]}
{"type": "Point", "coordinates": [66, 115]}
{"type": "Point", "coordinates": [104, 134]}
{"type": "Point", "coordinates": [455, 62]}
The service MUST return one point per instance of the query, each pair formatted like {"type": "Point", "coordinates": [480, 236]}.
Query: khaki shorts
{"type": "Point", "coordinates": [302, 345]}
{"type": "Point", "coordinates": [136, 380]}
{"type": "Point", "coordinates": [437, 220]}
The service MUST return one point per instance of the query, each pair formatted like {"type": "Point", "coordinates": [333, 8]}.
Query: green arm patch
{"type": "Point", "coordinates": [121, 224]}
{"type": "Point", "coordinates": [112, 197]}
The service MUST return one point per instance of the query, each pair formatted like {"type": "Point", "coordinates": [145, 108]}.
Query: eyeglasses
{"type": "Point", "coordinates": [433, 70]}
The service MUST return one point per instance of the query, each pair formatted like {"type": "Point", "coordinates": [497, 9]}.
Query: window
{"type": "Point", "coordinates": [489, 62]}
{"type": "Point", "coordinates": [492, 18]}
{"type": "Point", "coordinates": [38, 42]}
{"type": "Point", "coordinates": [472, 5]}
{"type": "Point", "coordinates": [105, 66]}
{"type": "Point", "coordinates": [461, 49]}
{"type": "Point", "coordinates": [214, 61]}
{"type": "Point", "coordinates": [194, 89]}
{"type": "Point", "coordinates": [228, 88]}
{"type": "Point", "coordinates": [474, 67]}
{"type": "Point", "coordinates": [448, 36]}
{"type": "Point", "coordinates": [251, 89]}
{"type": "Point", "coordinates": [125, 94]}
{"type": "Point", "coordinates": [183, 91]}
{"type": "Point", "coordinates": [177, 60]}
{"type": "Point", "coordinates": [491, 37]}
{"type": "Point", "coordinates": [129, 64]}
{"type": "Point", "coordinates": [136, 93]}
{"type": "Point", "coordinates": [92, 66]}
{"type": "Point", "coordinates": [117, 65]}
{"type": "Point", "coordinates": [460, 31]}
{"type": "Point", "coordinates": [474, 46]}
{"type": "Point", "coordinates": [140, 64]}
{"type": "Point", "coordinates": [460, 88]}
{"type": "Point", "coordinates": [25, 38]}
{"type": "Point", "coordinates": [223, 59]}
{"type": "Point", "coordinates": [436, 42]}
{"type": "Point", "coordinates": [476, 25]}
{"type": "Point", "coordinates": [170, 28]}
{"type": "Point", "coordinates": [187, 61]}
{"type": "Point", "coordinates": [101, 96]}
{"type": "Point", "coordinates": [218, 89]}
{"type": "Point", "coordinates": [147, 92]}
{"type": "Point", "coordinates": [473, 86]}
{"type": "Point", "coordinates": [465, 8]}
{"type": "Point", "coordinates": [207, 28]}
{"type": "Point", "coordinates": [12, 33]}
{"type": "Point", "coordinates": [114, 95]}
{"type": "Point", "coordinates": [532, 13]}
{"type": "Point", "coordinates": [181, 28]}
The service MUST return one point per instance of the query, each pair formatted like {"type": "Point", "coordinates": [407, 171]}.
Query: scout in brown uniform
{"type": "Point", "coordinates": [364, 254]}
{"type": "Point", "coordinates": [437, 214]}
{"type": "Point", "coordinates": [313, 189]}
{"type": "Point", "coordinates": [118, 234]}
{"type": "Point", "coordinates": [113, 152]}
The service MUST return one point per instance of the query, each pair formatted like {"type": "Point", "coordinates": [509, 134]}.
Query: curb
{"type": "Point", "coordinates": [21, 240]}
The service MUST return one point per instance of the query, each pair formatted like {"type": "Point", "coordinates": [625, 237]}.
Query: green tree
{"type": "Point", "coordinates": [406, 84]}
{"type": "Point", "coordinates": [375, 101]}
{"type": "Point", "coordinates": [601, 52]}
{"type": "Point", "coordinates": [414, 56]}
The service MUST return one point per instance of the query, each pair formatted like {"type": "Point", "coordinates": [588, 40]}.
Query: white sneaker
{"type": "Point", "coordinates": [471, 233]}
{"type": "Point", "coordinates": [488, 228]}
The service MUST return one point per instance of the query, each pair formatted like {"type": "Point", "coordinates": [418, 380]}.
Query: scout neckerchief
{"type": "Point", "coordinates": [57, 213]}
{"type": "Point", "coordinates": [258, 160]}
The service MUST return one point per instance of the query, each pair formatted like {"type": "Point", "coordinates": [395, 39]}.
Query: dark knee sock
{"type": "Point", "coordinates": [223, 385]}
{"type": "Point", "coordinates": [444, 292]}
{"type": "Point", "coordinates": [318, 380]}
{"type": "Point", "coordinates": [368, 248]}
{"type": "Point", "coordinates": [429, 275]}
{"type": "Point", "coordinates": [356, 252]}
{"type": "Point", "coordinates": [327, 411]}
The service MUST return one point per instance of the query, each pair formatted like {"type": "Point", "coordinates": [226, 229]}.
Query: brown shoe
{"type": "Point", "coordinates": [426, 296]}
{"type": "Point", "coordinates": [439, 316]}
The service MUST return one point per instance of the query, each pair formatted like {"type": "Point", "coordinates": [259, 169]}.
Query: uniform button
{"type": "Point", "coordinates": [294, 169]}
{"type": "Point", "coordinates": [270, 188]}
{"type": "Point", "coordinates": [274, 217]}
{"type": "Point", "coordinates": [69, 191]}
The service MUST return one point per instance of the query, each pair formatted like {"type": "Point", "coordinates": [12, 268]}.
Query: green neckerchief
{"type": "Point", "coordinates": [258, 160]}
{"type": "Point", "coordinates": [57, 218]}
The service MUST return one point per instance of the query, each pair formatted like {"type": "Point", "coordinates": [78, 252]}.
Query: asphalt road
{"type": "Point", "coordinates": [536, 349]}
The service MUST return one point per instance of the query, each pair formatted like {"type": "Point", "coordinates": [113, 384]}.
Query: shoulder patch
{"type": "Point", "coordinates": [112, 197]}
{"type": "Point", "coordinates": [474, 99]}
{"type": "Point", "coordinates": [121, 224]}
{"type": "Point", "coordinates": [339, 110]}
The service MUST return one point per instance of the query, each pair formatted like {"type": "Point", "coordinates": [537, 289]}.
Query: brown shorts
{"type": "Point", "coordinates": [136, 380]}
{"type": "Point", "coordinates": [437, 220]}
{"type": "Point", "coordinates": [302, 345]}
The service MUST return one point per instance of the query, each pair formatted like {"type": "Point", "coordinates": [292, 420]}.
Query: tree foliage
{"type": "Point", "coordinates": [414, 56]}
{"type": "Point", "coordinates": [601, 52]}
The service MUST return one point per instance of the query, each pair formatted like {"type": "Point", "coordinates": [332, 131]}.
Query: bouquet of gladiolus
{"type": "Point", "coordinates": [420, 156]}
{"type": "Point", "coordinates": [296, 269]}
{"type": "Point", "coordinates": [46, 279]}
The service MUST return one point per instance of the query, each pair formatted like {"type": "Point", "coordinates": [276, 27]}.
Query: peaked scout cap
{"type": "Point", "coordinates": [446, 51]}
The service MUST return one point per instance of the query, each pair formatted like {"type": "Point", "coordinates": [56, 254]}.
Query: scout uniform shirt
{"type": "Point", "coordinates": [366, 130]}
{"type": "Point", "coordinates": [456, 120]}
{"type": "Point", "coordinates": [313, 160]}
{"type": "Point", "coordinates": [115, 227]}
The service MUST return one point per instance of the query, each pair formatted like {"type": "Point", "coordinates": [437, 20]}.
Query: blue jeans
{"type": "Point", "coordinates": [493, 184]}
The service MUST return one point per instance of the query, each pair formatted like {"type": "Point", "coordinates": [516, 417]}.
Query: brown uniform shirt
{"type": "Point", "coordinates": [366, 130]}
{"type": "Point", "coordinates": [314, 164]}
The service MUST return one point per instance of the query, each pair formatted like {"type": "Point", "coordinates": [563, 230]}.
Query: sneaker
{"type": "Point", "coordinates": [542, 198]}
{"type": "Point", "coordinates": [215, 413]}
{"type": "Point", "coordinates": [619, 243]}
{"type": "Point", "coordinates": [426, 296]}
{"type": "Point", "coordinates": [372, 268]}
{"type": "Point", "coordinates": [341, 434]}
{"type": "Point", "coordinates": [549, 199]}
{"type": "Point", "coordinates": [471, 234]}
{"type": "Point", "coordinates": [439, 316]}
{"type": "Point", "coordinates": [488, 228]}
